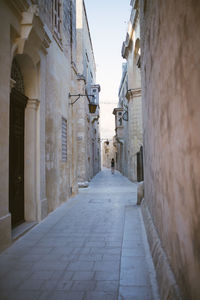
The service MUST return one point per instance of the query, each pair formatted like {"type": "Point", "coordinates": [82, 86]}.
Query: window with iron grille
{"type": "Point", "coordinates": [64, 139]}
{"type": "Point", "coordinates": [57, 20]}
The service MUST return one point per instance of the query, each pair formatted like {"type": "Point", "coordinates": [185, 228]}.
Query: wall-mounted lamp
{"type": "Point", "coordinates": [107, 142]}
{"type": "Point", "coordinates": [92, 106]}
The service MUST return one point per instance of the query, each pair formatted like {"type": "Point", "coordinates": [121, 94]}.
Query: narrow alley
{"type": "Point", "coordinates": [92, 247]}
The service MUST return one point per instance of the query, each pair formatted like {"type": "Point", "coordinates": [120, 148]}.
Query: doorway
{"type": "Point", "coordinates": [140, 172]}
{"type": "Point", "coordinates": [16, 152]}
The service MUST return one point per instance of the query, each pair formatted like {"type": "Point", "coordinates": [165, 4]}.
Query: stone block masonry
{"type": "Point", "coordinates": [170, 58]}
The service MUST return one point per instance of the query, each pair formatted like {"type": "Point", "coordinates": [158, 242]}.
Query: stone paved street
{"type": "Point", "coordinates": [92, 247]}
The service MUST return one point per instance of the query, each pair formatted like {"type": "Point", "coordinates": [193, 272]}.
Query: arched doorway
{"type": "Point", "coordinates": [18, 103]}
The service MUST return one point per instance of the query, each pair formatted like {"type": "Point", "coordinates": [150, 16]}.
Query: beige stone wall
{"type": "Point", "coordinates": [61, 79]}
{"type": "Point", "coordinates": [170, 33]}
{"type": "Point", "coordinates": [135, 134]}
{"type": "Point", "coordinates": [5, 222]}
{"type": "Point", "coordinates": [108, 152]}
{"type": "Point", "coordinates": [57, 90]}
{"type": "Point", "coordinates": [88, 150]}
{"type": "Point", "coordinates": [130, 99]}
{"type": "Point", "coordinates": [28, 47]}
{"type": "Point", "coordinates": [49, 72]}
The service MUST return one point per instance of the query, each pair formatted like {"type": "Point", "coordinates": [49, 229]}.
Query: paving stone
{"type": "Point", "coordinates": [31, 258]}
{"type": "Point", "coordinates": [109, 275]}
{"type": "Point", "coordinates": [82, 251]}
{"type": "Point", "coordinates": [130, 277]}
{"type": "Point", "coordinates": [19, 295]}
{"type": "Point", "coordinates": [90, 257]}
{"type": "Point", "coordinates": [113, 257]}
{"type": "Point", "coordinates": [114, 244]}
{"type": "Point", "coordinates": [96, 238]}
{"type": "Point", "coordinates": [22, 266]}
{"type": "Point", "coordinates": [42, 275]}
{"type": "Point", "coordinates": [51, 266]}
{"type": "Point", "coordinates": [100, 296]}
{"type": "Point", "coordinates": [97, 244]}
{"type": "Point", "coordinates": [66, 275]}
{"type": "Point", "coordinates": [107, 286]}
{"type": "Point", "coordinates": [31, 284]}
{"type": "Point", "coordinates": [106, 250]}
{"type": "Point", "coordinates": [135, 251]}
{"type": "Point", "coordinates": [69, 257]}
{"type": "Point", "coordinates": [107, 266]}
{"type": "Point", "coordinates": [62, 295]}
{"type": "Point", "coordinates": [61, 251]}
{"type": "Point", "coordinates": [41, 250]}
{"type": "Point", "coordinates": [83, 275]}
{"type": "Point", "coordinates": [84, 285]}
{"type": "Point", "coordinates": [80, 266]}
{"type": "Point", "coordinates": [64, 285]}
{"type": "Point", "coordinates": [135, 292]}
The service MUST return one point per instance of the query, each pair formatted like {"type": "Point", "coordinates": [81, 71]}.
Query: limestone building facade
{"type": "Point", "coordinates": [170, 70]}
{"type": "Point", "coordinates": [108, 152]}
{"type": "Point", "coordinates": [130, 141]}
{"type": "Point", "coordinates": [88, 135]}
{"type": "Point", "coordinates": [38, 126]}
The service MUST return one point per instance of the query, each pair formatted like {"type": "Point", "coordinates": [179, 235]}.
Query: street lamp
{"type": "Point", "coordinates": [107, 142]}
{"type": "Point", "coordinates": [92, 106]}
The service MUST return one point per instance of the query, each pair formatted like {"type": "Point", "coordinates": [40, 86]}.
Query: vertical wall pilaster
{"type": "Point", "coordinates": [31, 160]}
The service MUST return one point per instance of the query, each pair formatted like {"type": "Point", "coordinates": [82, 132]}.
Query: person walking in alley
{"type": "Point", "coordinates": [112, 166]}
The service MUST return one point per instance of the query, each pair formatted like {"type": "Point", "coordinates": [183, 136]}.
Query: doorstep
{"type": "Point", "coordinates": [22, 229]}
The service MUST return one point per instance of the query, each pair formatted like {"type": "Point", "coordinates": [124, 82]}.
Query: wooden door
{"type": "Point", "coordinates": [16, 157]}
{"type": "Point", "coordinates": [140, 173]}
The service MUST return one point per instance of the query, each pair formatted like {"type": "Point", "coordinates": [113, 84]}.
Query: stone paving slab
{"type": "Point", "coordinates": [92, 247]}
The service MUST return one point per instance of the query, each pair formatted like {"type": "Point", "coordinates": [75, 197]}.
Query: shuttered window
{"type": "Point", "coordinates": [64, 139]}
{"type": "Point", "coordinates": [57, 18]}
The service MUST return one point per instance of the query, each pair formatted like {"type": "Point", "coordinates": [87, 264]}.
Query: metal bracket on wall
{"type": "Point", "coordinates": [78, 97]}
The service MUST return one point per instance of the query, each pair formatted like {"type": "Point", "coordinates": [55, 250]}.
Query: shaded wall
{"type": "Point", "coordinates": [170, 37]}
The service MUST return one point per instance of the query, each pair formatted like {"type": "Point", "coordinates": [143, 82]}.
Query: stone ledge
{"type": "Point", "coordinates": [5, 232]}
{"type": "Point", "coordinates": [168, 287]}
{"type": "Point", "coordinates": [22, 229]}
{"type": "Point", "coordinates": [84, 184]}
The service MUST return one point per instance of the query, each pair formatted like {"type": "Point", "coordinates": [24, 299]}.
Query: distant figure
{"type": "Point", "coordinates": [112, 166]}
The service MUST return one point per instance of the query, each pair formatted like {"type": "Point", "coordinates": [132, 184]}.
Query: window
{"type": "Point", "coordinates": [87, 56]}
{"type": "Point", "coordinates": [120, 121]}
{"type": "Point", "coordinates": [57, 18]}
{"type": "Point", "coordinates": [64, 139]}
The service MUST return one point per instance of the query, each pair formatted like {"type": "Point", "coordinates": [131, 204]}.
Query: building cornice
{"type": "Point", "coordinates": [117, 109]}
{"type": "Point", "coordinates": [30, 22]}
{"type": "Point", "coordinates": [133, 93]}
{"type": "Point", "coordinates": [19, 5]}
{"type": "Point", "coordinates": [131, 27]}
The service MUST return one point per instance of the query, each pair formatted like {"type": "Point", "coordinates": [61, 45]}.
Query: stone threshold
{"type": "Point", "coordinates": [20, 230]}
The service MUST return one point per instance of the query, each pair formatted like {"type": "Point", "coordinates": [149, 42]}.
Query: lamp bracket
{"type": "Point", "coordinates": [78, 97]}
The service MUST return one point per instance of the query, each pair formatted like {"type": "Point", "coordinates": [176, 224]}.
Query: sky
{"type": "Point", "coordinates": [108, 22]}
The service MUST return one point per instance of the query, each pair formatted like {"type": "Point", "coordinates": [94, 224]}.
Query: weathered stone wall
{"type": "Point", "coordinates": [60, 81]}
{"type": "Point", "coordinates": [135, 134]}
{"type": "Point", "coordinates": [87, 140]}
{"type": "Point", "coordinates": [170, 43]}
{"type": "Point", "coordinates": [5, 219]}
{"type": "Point", "coordinates": [108, 152]}
{"type": "Point", "coordinates": [57, 171]}
{"type": "Point", "coordinates": [49, 74]}
{"type": "Point", "coordinates": [132, 129]}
